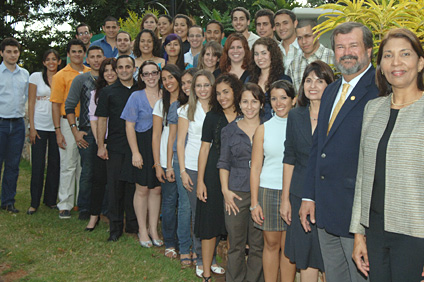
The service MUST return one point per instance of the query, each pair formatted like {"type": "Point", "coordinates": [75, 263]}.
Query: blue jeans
{"type": "Point", "coordinates": [12, 136]}
{"type": "Point", "coordinates": [184, 212]}
{"type": "Point", "coordinates": [86, 179]}
{"type": "Point", "coordinates": [169, 216]}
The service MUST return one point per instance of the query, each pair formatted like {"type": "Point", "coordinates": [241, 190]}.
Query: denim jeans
{"type": "Point", "coordinates": [86, 180]}
{"type": "Point", "coordinates": [12, 136]}
{"type": "Point", "coordinates": [169, 216]}
{"type": "Point", "coordinates": [184, 212]}
{"type": "Point", "coordinates": [38, 158]}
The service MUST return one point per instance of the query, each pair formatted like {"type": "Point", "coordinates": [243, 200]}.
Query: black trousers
{"type": "Point", "coordinates": [38, 156]}
{"type": "Point", "coordinates": [121, 197]}
{"type": "Point", "coordinates": [99, 186]}
{"type": "Point", "coordinates": [392, 256]}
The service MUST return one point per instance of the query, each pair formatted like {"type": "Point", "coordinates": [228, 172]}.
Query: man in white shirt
{"type": "Point", "coordinates": [240, 19]}
{"type": "Point", "coordinates": [195, 38]}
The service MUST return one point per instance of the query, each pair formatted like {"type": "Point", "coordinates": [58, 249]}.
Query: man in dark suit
{"type": "Point", "coordinates": [331, 171]}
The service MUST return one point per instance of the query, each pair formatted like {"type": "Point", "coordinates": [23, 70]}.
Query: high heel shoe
{"type": "Point", "coordinates": [31, 212]}
{"type": "Point", "coordinates": [206, 279]}
{"type": "Point", "coordinates": [90, 229]}
{"type": "Point", "coordinates": [144, 244]}
{"type": "Point", "coordinates": [156, 242]}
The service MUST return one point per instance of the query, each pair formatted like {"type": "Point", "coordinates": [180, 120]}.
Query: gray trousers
{"type": "Point", "coordinates": [337, 256]}
{"type": "Point", "coordinates": [241, 230]}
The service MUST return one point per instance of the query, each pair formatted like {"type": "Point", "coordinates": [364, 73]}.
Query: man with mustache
{"type": "Point", "coordinates": [331, 170]}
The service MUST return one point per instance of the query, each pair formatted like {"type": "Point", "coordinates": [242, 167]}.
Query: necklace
{"type": "Point", "coordinates": [407, 103]}
{"type": "Point", "coordinates": [312, 118]}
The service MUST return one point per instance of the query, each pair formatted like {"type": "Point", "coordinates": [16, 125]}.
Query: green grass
{"type": "Point", "coordinates": [43, 247]}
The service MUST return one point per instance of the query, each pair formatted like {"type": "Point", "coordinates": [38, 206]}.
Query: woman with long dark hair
{"type": "Point", "coordinates": [41, 133]}
{"type": "Point", "coordinates": [173, 51]}
{"type": "Point", "coordinates": [147, 48]}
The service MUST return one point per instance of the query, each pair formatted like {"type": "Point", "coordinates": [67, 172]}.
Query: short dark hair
{"type": "Point", "coordinates": [123, 31]}
{"type": "Point", "coordinates": [286, 12]}
{"type": "Point", "coordinates": [198, 26]}
{"type": "Point", "coordinates": [221, 26]}
{"type": "Point", "coordinates": [9, 41]}
{"type": "Point", "coordinates": [285, 85]}
{"type": "Point", "coordinates": [241, 9]}
{"type": "Point", "coordinates": [81, 25]}
{"type": "Point", "coordinates": [306, 22]}
{"type": "Point", "coordinates": [322, 71]}
{"type": "Point", "coordinates": [125, 57]}
{"type": "Point", "coordinates": [347, 27]}
{"type": "Point", "coordinates": [256, 90]}
{"type": "Point", "coordinates": [94, 47]}
{"type": "Point", "coordinates": [265, 13]}
{"type": "Point", "coordinates": [382, 83]}
{"type": "Point", "coordinates": [75, 42]}
{"type": "Point", "coordinates": [110, 19]}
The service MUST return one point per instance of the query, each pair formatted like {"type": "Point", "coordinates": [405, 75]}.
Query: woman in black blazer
{"type": "Point", "coordinates": [302, 248]}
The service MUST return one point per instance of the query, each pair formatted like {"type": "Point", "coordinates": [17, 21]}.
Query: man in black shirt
{"type": "Point", "coordinates": [111, 103]}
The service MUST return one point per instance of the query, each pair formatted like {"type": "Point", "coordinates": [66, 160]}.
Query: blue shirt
{"type": "Point", "coordinates": [13, 91]}
{"type": "Point", "coordinates": [172, 118]}
{"type": "Point", "coordinates": [107, 49]}
{"type": "Point", "coordinates": [138, 110]}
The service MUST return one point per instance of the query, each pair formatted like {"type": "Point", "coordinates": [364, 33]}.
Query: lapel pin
{"type": "Point", "coordinates": [353, 98]}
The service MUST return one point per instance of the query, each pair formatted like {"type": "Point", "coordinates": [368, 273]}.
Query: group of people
{"type": "Point", "coordinates": [255, 141]}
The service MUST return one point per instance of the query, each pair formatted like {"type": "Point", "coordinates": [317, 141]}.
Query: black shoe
{"type": "Point", "coordinates": [95, 225]}
{"type": "Point", "coordinates": [10, 208]}
{"type": "Point", "coordinates": [31, 212]}
{"type": "Point", "coordinates": [113, 238]}
{"type": "Point", "coordinates": [65, 214]}
{"type": "Point", "coordinates": [84, 215]}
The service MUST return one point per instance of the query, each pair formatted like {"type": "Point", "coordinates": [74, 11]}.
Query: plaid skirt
{"type": "Point", "coordinates": [270, 201]}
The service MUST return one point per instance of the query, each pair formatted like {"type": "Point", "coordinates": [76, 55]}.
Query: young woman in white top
{"type": "Point", "coordinates": [41, 133]}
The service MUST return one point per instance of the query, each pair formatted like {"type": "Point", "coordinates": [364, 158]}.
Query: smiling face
{"type": "Point", "coordinates": [210, 59]}
{"type": "Point", "coordinates": [150, 75]}
{"type": "Point", "coordinates": [236, 52]}
{"type": "Point", "coordinates": [150, 23]}
{"type": "Point", "coordinates": [186, 81]}
{"type": "Point", "coordinates": [125, 69]}
{"type": "Point", "coordinates": [262, 57]}
{"type": "Point", "coordinates": [95, 59]}
{"type": "Point", "coordinates": [195, 37]}
{"type": "Point", "coordinates": [314, 86]}
{"type": "Point", "coordinates": [52, 62]}
{"type": "Point", "coordinates": [111, 28]}
{"type": "Point", "coordinates": [173, 48]}
{"type": "Point", "coordinates": [165, 26]}
{"type": "Point", "coordinates": [76, 54]}
{"type": "Point", "coordinates": [146, 43]}
{"type": "Point", "coordinates": [264, 27]}
{"type": "Point", "coordinates": [285, 27]}
{"type": "Point", "coordinates": [225, 95]}
{"type": "Point", "coordinates": [305, 38]}
{"type": "Point", "coordinates": [181, 28]}
{"type": "Point", "coordinates": [400, 63]}
{"type": "Point", "coordinates": [169, 82]}
{"type": "Point", "coordinates": [280, 102]}
{"type": "Point", "coordinates": [110, 75]}
{"type": "Point", "coordinates": [351, 56]}
{"type": "Point", "coordinates": [123, 43]}
{"type": "Point", "coordinates": [249, 105]}
{"type": "Point", "coordinates": [203, 87]}
{"type": "Point", "coordinates": [84, 34]}
{"type": "Point", "coordinates": [213, 33]}
{"type": "Point", "coordinates": [240, 22]}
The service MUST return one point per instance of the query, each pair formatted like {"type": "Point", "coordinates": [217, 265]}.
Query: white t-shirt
{"type": "Point", "coordinates": [43, 108]}
{"type": "Point", "coordinates": [157, 111]}
{"type": "Point", "coordinates": [194, 135]}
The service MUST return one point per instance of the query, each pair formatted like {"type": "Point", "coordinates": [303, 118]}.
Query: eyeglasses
{"type": "Point", "coordinates": [195, 35]}
{"type": "Point", "coordinates": [206, 85]}
{"type": "Point", "coordinates": [147, 74]}
{"type": "Point", "coordinates": [84, 33]}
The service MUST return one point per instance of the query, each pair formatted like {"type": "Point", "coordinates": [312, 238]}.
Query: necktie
{"type": "Point", "coordinates": [338, 106]}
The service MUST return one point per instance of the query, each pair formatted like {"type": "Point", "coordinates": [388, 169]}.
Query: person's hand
{"type": "Point", "coordinates": [258, 215]}
{"type": "Point", "coordinates": [33, 134]}
{"type": "Point", "coordinates": [187, 182]}
{"type": "Point", "coordinates": [230, 205]}
{"type": "Point", "coordinates": [307, 208]}
{"type": "Point", "coordinates": [160, 174]}
{"type": "Point", "coordinates": [60, 139]}
{"type": "Point", "coordinates": [79, 138]}
{"type": "Point", "coordinates": [422, 274]}
{"type": "Point", "coordinates": [102, 153]}
{"type": "Point", "coordinates": [170, 175]}
{"type": "Point", "coordinates": [285, 211]}
{"type": "Point", "coordinates": [202, 193]}
{"type": "Point", "coordinates": [360, 254]}
{"type": "Point", "coordinates": [137, 160]}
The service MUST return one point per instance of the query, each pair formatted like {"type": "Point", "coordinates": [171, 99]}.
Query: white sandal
{"type": "Point", "coordinates": [171, 252]}
{"type": "Point", "coordinates": [217, 269]}
{"type": "Point", "coordinates": [199, 272]}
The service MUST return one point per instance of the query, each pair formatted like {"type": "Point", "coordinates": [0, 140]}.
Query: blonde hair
{"type": "Point", "coordinates": [192, 99]}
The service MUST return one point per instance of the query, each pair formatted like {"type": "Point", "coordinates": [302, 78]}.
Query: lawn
{"type": "Point", "coordinates": [43, 247]}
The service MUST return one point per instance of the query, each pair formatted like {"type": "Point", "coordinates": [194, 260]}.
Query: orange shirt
{"type": "Point", "coordinates": [61, 84]}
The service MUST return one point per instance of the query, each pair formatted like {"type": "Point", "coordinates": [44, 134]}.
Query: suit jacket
{"type": "Point", "coordinates": [298, 146]}
{"type": "Point", "coordinates": [333, 161]}
{"type": "Point", "coordinates": [404, 181]}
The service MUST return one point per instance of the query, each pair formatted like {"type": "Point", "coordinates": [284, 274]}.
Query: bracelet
{"type": "Point", "coordinates": [73, 125]}
{"type": "Point", "coordinates": [57, 128]}
{"type": "Point", "coordinates": [169, 169]}
{"type": "Point", "coordinates": [181, 172]}
{"type": "Point", "coordinates": [252, 208]}
{"type": "Point", "coordinates": [155, 165]}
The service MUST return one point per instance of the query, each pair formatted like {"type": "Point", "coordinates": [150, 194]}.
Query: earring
{"type": "Point", "coordinates": [382, 72]}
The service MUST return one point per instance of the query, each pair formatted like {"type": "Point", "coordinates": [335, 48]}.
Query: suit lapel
{"type": "Point", "coordinates": [305, 125]}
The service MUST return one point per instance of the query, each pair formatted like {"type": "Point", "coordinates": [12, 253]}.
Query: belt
{"type": "Point", "coordinates": [43, 97]}
{"type": "Point", "coordinates": [10, 119]}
